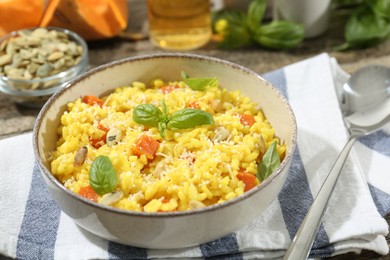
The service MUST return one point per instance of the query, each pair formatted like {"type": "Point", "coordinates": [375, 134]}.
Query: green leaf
{"type": "Point", "coordinates": [366, 28]}
{"type": "Point", "coordinates": [235, 18]}
{"type": "Point", "coordinates": [256, 12]}
{"type": "Point", "coordinates": [102, 175]}
{"type": "Point", "coordinates": [346, 3]}
{"type": "Point", "coordinates": [199, 83]}
{"type": "Point", "coordinates": [189, 118]}
{"type": "Point", "coordinates": [147, 114]}
{"type": "Point", "coordinates": [235, 37]}
{"type": "Point", "coordinates": [269, 162]}
{"type": "Point", "coordinates": [236, 34]}
{"type": "Point", "coordinates": [380, 7]}
{"type": "Point", "coordinates": [280, 35]}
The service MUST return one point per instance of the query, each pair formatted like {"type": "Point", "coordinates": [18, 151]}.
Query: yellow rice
{"type": "Point", "coordinates": [190, 165]}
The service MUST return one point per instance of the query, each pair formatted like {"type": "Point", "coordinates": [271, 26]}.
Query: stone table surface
{"type": "Point", "coordinates": [16, 119]}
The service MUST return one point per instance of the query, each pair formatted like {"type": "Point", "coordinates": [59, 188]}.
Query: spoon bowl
{"type": "Point", "coordinates": [365, 105]}
{"type": "Point", "coordinates": [365, 101]}
{"type": "Point", "coordinates": [365, 90]}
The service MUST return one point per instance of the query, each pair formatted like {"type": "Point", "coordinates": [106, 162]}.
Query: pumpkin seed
{"type": "Point", "coordinates": [114, 135]}
{"type": "Point", "coordinates": [36, 54]}
{"type": "Point", "coordinates": [27, 75]}
{"type": "Point", "coordinates": [10, 48]}
{"type": "Point", "coordinates": [55, 56]}
{"type": "Point", "coordinates": [16, 60]}
{"type": "Point", "coordinates": [63, 47]}
{"type": "Point", "coordinates": [5, 59]}
{"type": "Point", "coordinates": [110, 198]}
{"type": "Point", "coordinates": [80, 156]}
{"type": "Point", "coordinates": [32, 67]}
{"type": "Point", "coordinates": [40, 32]}
{"type": "Point", "coordinates": [15, 73]}
{"type": "Point", "coordinates": [221, 134]}
{"type": "Point", "coordinates": [24, 63]}
{"type": "Point", "coordinates": [3, 44]}
{"type": "Point", "coordinates": [35, 85]}
{"type": "Point", "coordinates": [262, 145]}
{"type": "Point", "coordinates": [59, 64]}
{"type": "Point", "coordinates": [44, 70]}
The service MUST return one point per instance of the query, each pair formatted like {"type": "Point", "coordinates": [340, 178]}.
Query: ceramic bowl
{"type": "Point", "coordinates": [165, 230]}
{"type": "Point", "coordinates": [35, 92]}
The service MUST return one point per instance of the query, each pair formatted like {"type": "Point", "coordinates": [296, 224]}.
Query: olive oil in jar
{"type": "Point", "coordinates": [179, 24]}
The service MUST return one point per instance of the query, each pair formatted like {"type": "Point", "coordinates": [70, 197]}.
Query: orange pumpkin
{"type": "Point", "coordinates": [19, 14]}
{"type": "Point", "coordinates": [92, 19]}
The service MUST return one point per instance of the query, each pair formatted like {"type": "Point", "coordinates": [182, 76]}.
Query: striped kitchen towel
{"type": "Point", "coordinates": [33, 227]}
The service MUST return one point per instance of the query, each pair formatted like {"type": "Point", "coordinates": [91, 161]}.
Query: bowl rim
{"type": "Point", "coordinates": [45, 171]}
{"type": "Point", "coordinates": [75, 69]}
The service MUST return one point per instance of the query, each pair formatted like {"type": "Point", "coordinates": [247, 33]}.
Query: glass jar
{"type": "Point", "coordinates": [179, 24]}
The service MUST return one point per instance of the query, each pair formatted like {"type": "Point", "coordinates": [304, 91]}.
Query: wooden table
{"type": "Point", "coordinates": [16, 119]}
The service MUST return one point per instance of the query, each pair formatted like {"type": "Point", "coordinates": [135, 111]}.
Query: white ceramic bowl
{"type": "Point", "coordinates": [166, 229]}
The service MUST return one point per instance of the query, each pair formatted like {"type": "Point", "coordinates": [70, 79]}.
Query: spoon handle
{"type": "Point", "coordinates": [304, 238]}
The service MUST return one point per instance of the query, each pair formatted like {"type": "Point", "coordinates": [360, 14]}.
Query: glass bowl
{"type": "Point", "coordinates": [35, 92]}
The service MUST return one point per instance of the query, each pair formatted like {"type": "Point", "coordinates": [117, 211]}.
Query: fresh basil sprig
{"type": "Point", "coordinates": [199, 83]}
{"type": "Point", "coordinates": [146, 114]}
{"type": "Point", "coordinates": [240, 29]}
{"type": "Point", "coordinates": [269, 162]}
{"type": "Point", "coordinates": [102, 175]}
{"type": "Point", "coordinates": [369, 24]}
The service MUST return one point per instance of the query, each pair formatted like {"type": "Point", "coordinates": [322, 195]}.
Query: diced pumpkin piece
{"type": "Point", "coordinates": [93, 100]}
{"type": "Point", "coordinates": [146, 145]}
{"type": "Point", "coordinates": [101, 140]}
{"type": "Point", "coordinates": [88, 193]}
{"type": "Point", "coordinates": [247, 120]}
{"type": "Point", "coordinates": [194, 104]}
{"type": "Point", "coordinates": [248, 179]}
{"type": "Point", "coordinates": [169, 88]}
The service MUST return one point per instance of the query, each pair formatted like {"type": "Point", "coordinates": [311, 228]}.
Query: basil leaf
{"type": "Point", "coordinates": [269, 162]}
{"type": "Point", "coordinates": [235, 37]}
{"type": "Point", "coordinates": [381, 7]}
{"type": "Point", "coordinates": [279, 35]}
{"type": "Point", "coordinates": [366, 28]}
{"type": "Point", "coordinates": [256, 12]}
{"type": "Point", "coordinates": [189, 118]}
{"type": "Point", "coordinates": [147, 114]}
{"type": "Point", "coordinates": [102, 175]}
{"type": "Point", "coordinates": [200, 83]}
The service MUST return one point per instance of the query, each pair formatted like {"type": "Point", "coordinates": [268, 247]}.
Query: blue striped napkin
{"type": "Point", "coordinates": [33, 227]}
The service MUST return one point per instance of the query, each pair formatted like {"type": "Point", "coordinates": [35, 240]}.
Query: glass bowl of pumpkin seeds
{"type": "Point", "coordinates": [36, 62]}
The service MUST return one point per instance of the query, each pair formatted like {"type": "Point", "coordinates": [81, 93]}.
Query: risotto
{"type": "Point", "coordinates": [165, 146]}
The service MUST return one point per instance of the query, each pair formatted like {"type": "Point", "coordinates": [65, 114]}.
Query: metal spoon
{"type": "Point", "coordinates": [365, 104]}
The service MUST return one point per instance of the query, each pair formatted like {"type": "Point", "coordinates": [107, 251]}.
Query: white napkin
{"type": "Point", "coordinates": [32, 226]}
